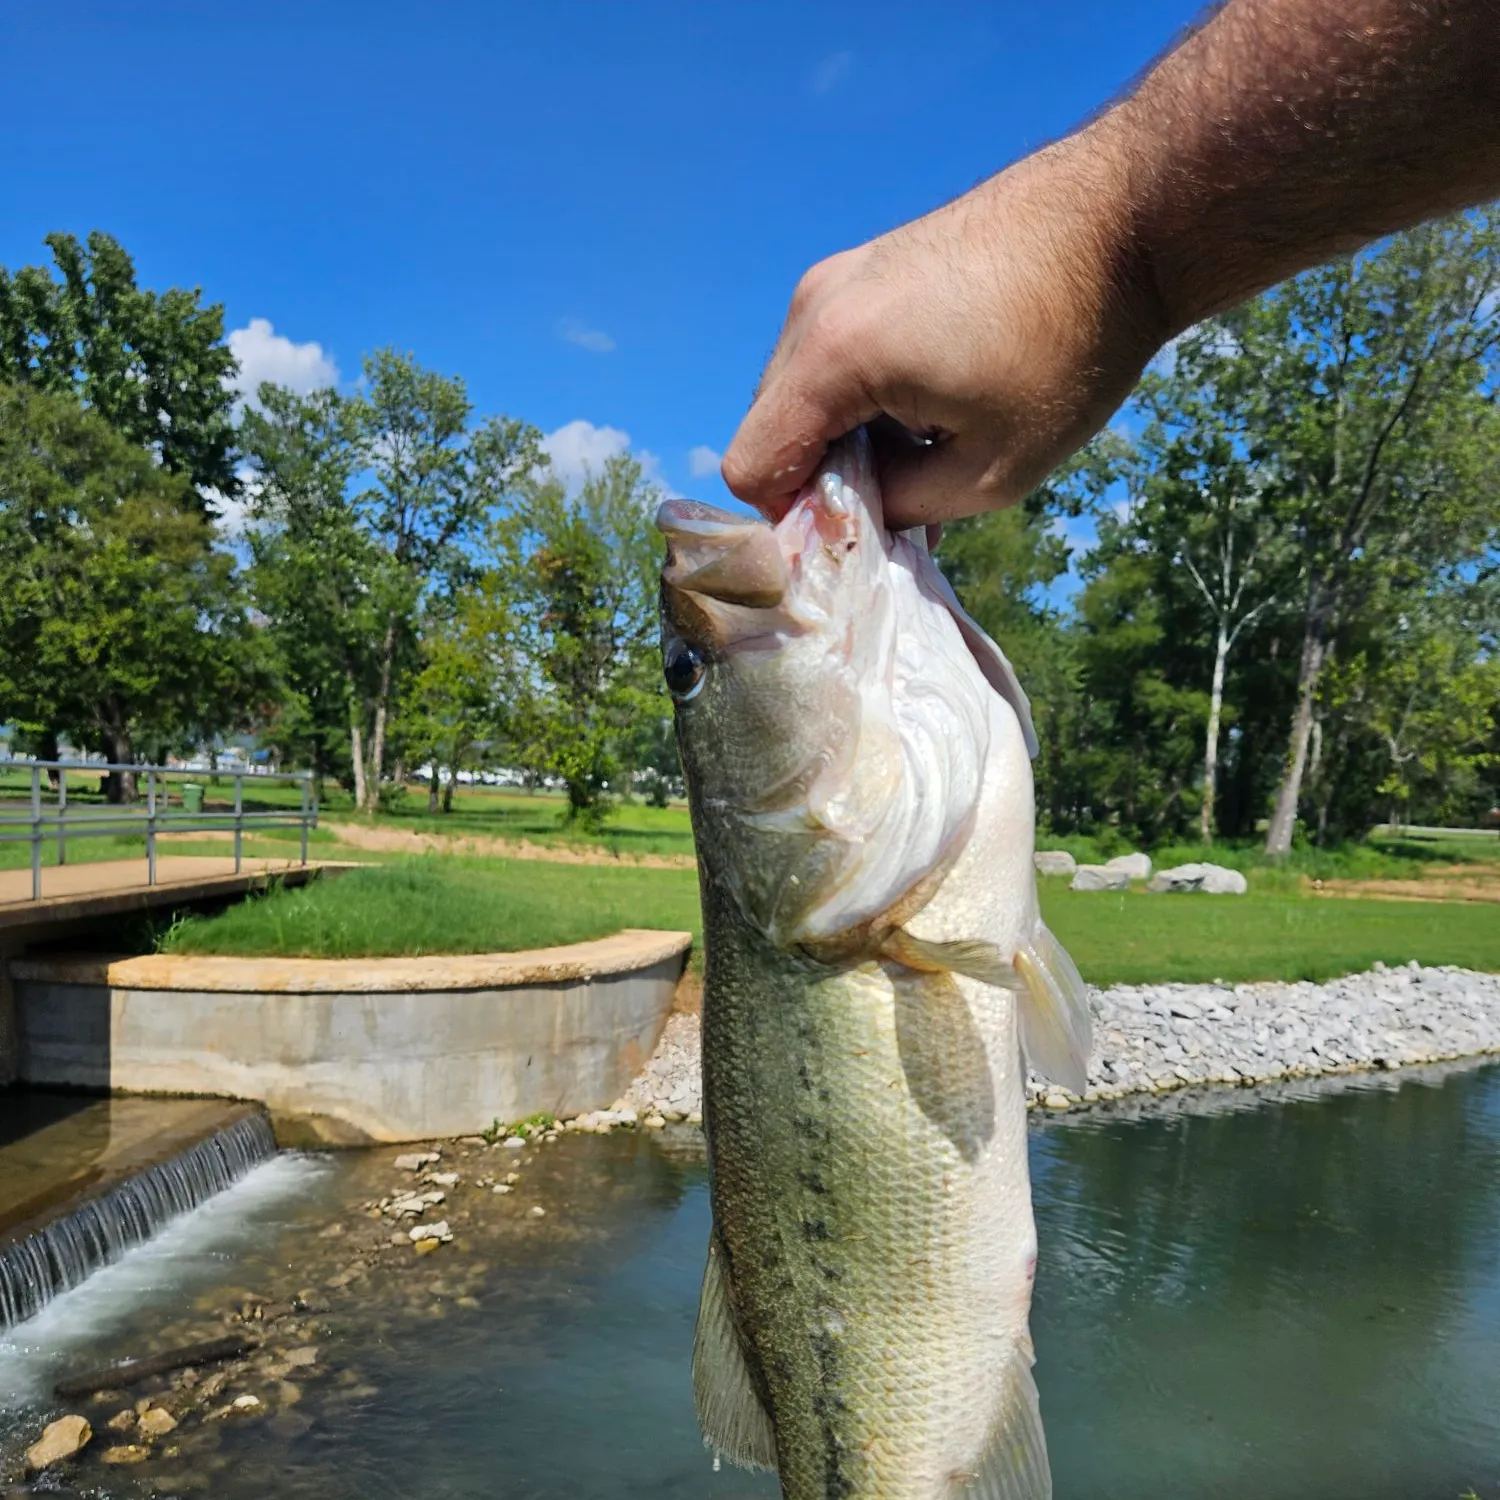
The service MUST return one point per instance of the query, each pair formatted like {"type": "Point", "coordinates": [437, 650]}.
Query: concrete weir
{"type": "Point", "coordinates": [345, 1051]}
{"type": "Point", "coordinates": [84, 1180]}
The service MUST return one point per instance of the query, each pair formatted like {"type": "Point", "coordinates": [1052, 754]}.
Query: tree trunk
{"type": "Point", "coordinates": [1211, 745]}
{"type": "Point", "coordinates": [47, 749]}
{"type": "Point", "coordinates": [357, 755]}
{"type": "Point", "coordinates": [432, 791]}
{"type": "Point", "coordinates": [448, 789]}
{"type": "Point", "coordinates": [119, 786]}
{"type": "Point", "coordinates": [1314, 654]}
{"type": "Point", "coordinates": [382, 706]}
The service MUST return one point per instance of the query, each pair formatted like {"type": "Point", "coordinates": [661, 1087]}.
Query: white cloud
{"type": "Point", "coordinates": [595, 340]}
{"type": "Point", "coordinates": [264, 354]}
{"type": "Point", "coordinates": [830, 73]}
{"type": "Point", "coordinates": [703, 460]}
{"type": "Point", "coordinates": [579, 448]}
{"type": "Point", "coordinates": [234, 512]}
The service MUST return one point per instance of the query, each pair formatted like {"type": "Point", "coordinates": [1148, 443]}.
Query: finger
{"type": "Point", "coordinates": [810, 397]}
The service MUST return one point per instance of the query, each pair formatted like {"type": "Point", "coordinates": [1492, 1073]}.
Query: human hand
{"type": "Point", "coordinates": [1007, 326]}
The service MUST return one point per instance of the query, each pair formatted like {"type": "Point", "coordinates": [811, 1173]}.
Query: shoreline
{"type": "Point", "coordinates": [1156, 1039]}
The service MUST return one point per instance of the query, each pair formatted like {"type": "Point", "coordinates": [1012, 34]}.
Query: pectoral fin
{"type": "Point", "coordinates": [1014, 1465]}
{"type": "Point", "coordinates": [730, 1412]}
{"type": "Point", "coordinates": [1057, 1029]}
{"type": "Point", "coordinates": [981, 961]}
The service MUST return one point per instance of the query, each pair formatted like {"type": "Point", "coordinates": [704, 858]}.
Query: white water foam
{"type": "Point", "coordinates": [186, 1252]}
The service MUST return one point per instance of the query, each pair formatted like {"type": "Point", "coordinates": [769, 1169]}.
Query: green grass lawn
{"type": "Point", "coordinates": [1139, 938]}
{"type": "Point", "coordinates": [445, 905]}
{"type": "Point", "coordinates": [454, 905]}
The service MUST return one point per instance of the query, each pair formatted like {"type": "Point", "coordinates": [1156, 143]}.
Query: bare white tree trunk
{"type": "Point", "coordinates": [1211, 745]}
{"type": "Point", "coordinates": [382, 709]}
{"type": "Point", "coordinates": [1284, 819]}
{"type": "Point", "coordinates": [357, 755]}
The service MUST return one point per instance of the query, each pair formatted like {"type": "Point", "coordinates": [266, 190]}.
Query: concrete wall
{"type": "Point", "coordinates": [374, 1050]}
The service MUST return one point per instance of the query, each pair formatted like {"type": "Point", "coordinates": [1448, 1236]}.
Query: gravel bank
{"type": "Point", "coordinates": [1155, 1037]}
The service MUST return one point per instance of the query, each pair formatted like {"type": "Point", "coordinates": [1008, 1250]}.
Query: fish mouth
{"type": "Point", "coordinates": [732, 559]}
{"type": "Point", "coordinates": [746, 562]}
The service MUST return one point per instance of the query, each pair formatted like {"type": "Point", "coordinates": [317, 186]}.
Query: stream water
{"type": "Point", "coordinates": [1293, 1297]}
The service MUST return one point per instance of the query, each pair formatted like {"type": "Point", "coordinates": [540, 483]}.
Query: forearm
{"type": "Point", "coordinates": [1283, 132]}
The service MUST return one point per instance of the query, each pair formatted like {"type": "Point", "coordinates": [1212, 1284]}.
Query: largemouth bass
{"type": "Point", "coordinates": [858, 763]}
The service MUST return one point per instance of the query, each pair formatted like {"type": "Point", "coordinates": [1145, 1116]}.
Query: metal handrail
{"type": "Point", "coordinates": [40, 825]}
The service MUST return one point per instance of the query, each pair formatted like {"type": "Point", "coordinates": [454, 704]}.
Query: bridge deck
{"type": "Point", "coordinates": [108, 887]}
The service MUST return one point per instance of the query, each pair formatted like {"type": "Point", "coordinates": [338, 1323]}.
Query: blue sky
{"type": "Point", "coordinates": [595, 213]}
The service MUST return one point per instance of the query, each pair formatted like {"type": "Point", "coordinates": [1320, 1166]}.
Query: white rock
{"type": "Point", "coordinates": [439, 1231]}
{"type": "Point", "coordinates": [537, 1212]}
{"type": "Point", "coordinates": [443, 1179]}
{"type": "Point", "coordinates": [1054, 862]}
{"type": "Point", "coordinates": [1213, 880]}
{"type": "Point", "coordinates": [246, 1402]}
{"type": "Point", "coordinates": [514, 1142]}
{"type": "Point", "coordinates": [414, 1161]}
{"type": "Point", "coordinates": [1135, 866]}
{"type": "Point", "coordinates": [1099, 878]}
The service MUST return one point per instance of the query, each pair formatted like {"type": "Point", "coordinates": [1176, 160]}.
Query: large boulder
{"type": "Point", "coordinates": [1099, 878]}
{"type": "Point", "coordinates": [1054, 862]}
{"type": "Point", "coordinates": [1134, 866]}
{"type": "Point", "coordinates": [1212, 880]}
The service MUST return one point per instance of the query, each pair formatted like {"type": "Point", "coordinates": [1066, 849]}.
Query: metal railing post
{"type": "Point", "coordinates": [36, 833]}
{"type": "Point", "coordinates": [151, 827]}
{"type": "Point", "coordinates": [306, 791]}
{"type": "Point", "coordinates": [239, 817]}
{"type": "Point", "coordinates": [62, 817]}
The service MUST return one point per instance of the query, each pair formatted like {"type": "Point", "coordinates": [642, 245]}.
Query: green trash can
{"type": "Point", "coordinates": [192, 796]}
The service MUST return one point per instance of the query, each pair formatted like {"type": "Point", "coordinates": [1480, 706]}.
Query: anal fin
{"type": "Point", "coordinates": [730, 1412]}
{"type": "Point", "coordinates": [1014, 1462]}
{"type": "Point", "coordinates": [1057, 1029]}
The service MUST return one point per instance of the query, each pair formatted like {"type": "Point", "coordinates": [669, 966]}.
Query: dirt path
{"type": "Point", "coordinates": [384, 840]}
{"type": "Point", "coordinates": [1446, 883]}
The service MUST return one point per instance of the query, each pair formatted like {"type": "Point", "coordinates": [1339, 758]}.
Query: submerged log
{"type": "Point", "coordinates": [117, 1377]}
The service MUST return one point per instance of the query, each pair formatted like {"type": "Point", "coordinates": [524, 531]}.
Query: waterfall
{"type": "Point", "coordinates": [35, 1268]}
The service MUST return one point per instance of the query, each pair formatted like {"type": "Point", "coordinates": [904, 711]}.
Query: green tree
{"type": "Point", "coordinates": [312, 575]}
{"type": "Point", "coordinates": [1419, 694]}
{"type": "Point", "coordinates": [582, 574]}
{"type": "Point", "coordinates": [1366, 395]}
{"type": "Point", "coordinates": [1201, 502]}
{"type": "Point", "coordinates": [153, 365]}
{"type": "Point", "coordinates": [122, 624]}
{"type": "Point", "coordinates": [364, 509]}
{"type": "Point", "coordinates": [460, 698]}
{"type": "Point", "coordinates": [434, 481]}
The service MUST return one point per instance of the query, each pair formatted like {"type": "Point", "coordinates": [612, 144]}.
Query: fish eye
{"type": "Point", "coordinates": [685, 667]}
